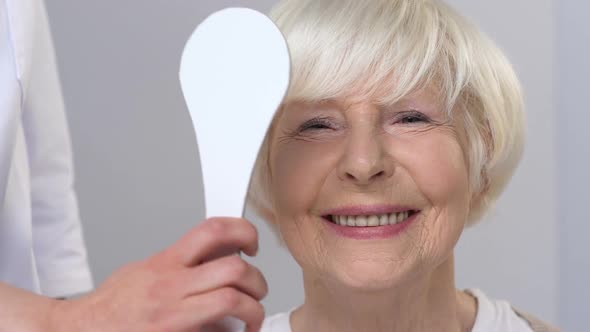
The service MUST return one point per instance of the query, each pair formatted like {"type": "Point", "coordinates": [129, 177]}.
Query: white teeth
{"type": "Point", "coordinates": [361, 221]}
{"type": "Point", "coordinates": [393, 218]}
{"type": "Point", "coordinates": [371, 221]}
{"type": "Point", "coordinates": [343, 220]}
{"type": "Point", "coordinates": [351, 221]}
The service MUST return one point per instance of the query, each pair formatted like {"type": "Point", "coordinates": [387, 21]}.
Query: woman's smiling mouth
{"type": "Point", "coordinates": [370, 222]}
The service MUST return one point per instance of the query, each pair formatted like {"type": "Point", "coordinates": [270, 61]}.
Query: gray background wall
{"type": "Point", "coordinates": [138, 175]}
{"type": "Point", "coordinates": [572, 115]}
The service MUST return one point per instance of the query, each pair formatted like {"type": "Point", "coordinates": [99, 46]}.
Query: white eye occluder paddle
{"type": "Point", "coordinates": [234, 74]}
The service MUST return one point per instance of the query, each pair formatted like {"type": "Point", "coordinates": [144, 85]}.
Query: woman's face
{"type": "Point", "coordinates": [368, 196]}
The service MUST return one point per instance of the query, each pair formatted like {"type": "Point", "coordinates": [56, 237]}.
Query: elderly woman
{"type": "Point", "coordinates": [402, 125]}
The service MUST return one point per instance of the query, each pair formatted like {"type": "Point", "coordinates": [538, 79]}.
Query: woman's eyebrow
{"type": "Point", "coordinates": [326, 102]}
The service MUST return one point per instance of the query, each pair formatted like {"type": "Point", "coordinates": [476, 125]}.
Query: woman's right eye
{"type": "Point", "coordinates": [316, 124]}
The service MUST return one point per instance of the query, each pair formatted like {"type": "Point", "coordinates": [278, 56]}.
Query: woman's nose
{"type": "Point", "coordinates": [365, 160]}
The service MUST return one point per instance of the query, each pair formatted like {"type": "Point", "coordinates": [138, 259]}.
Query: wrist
{"type": "Point", "coordinates": [25, 311]}
{"type": "Point", "coordinates": [55, 312]}
{"type": "Point", "coordinates": [62, 316]}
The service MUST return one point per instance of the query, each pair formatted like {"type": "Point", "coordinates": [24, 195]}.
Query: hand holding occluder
{"type": "Point", "coordinates": [177, 289]}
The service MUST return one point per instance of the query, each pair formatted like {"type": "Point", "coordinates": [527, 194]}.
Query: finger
{"type": "Point", "coordinates": [212, 307]}
{"type": "Point", "coordinates": [229, 271]}
{"type": "Point", "coordinates": [213, 236]}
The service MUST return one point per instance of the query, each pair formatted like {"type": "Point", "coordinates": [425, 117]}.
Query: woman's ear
{"type": "Point", "coordinates": [478, 202]}
{"type": "Point", "coordinates": [260, 207]}
{"type": "Point", "coordinates": [269, 216]}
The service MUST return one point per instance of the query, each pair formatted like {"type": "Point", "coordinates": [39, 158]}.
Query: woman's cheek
{"type": "Point", "coordinates": [299, 169]}
{"type": "Point", "coordinates": [436, 163]}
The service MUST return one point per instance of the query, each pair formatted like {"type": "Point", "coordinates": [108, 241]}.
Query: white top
{"type": "Point", "coordinates": [492, 316]}
{"type": "Point", "coordinates": [41, 245]}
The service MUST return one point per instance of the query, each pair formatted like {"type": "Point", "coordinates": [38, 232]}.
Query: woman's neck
{"type": "Point", "coordinates": [428, 304]}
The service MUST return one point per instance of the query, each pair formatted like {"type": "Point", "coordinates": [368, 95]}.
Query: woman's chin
{"type": "Point", "coordinates": [371, 276]}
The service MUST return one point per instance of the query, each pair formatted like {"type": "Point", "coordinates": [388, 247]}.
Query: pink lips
{"type": "Point", "coordinates": [369, 233]}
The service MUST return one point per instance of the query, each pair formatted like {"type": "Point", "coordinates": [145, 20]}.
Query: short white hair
{"type": "Point", "coordinates": [391, 48]}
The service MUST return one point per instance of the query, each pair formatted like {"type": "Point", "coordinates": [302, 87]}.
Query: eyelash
{"type": "Point", "coordinates": [403, 118]}
{"type": "Point", "coordinates": [317, 124]}
{"type": "Point", "coordinates": [323, 123]}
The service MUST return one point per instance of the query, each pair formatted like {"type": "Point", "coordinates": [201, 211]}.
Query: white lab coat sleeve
{"type": "Point", "coordinates": [58, 243]}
